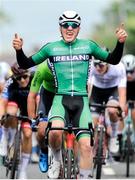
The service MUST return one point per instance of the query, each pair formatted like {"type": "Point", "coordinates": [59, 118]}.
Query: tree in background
{"type": "Point", "coordinates": [3, 17]}
{"type": "Point", "coordinates": [119, 11]}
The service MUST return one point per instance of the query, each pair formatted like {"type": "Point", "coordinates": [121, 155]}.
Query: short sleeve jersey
{"type": "Point", "coordinates": [12, 92]}
{"type": "Point", "coordinates": [114, 77]}
{"type": "Point", "coordinates": [43, 76]}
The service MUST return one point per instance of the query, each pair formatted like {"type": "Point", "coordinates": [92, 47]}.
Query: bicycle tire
{"type": "Point", "coordinates": [99, 154]}
{"type": "Point", "coordinates": [8, 159]}
{"type": "Point", "coordinates": [71, 170]}
{"type": "Point", "coordinates": [16, 156]}
{"type": "Point", "coordinates": [128, 152]}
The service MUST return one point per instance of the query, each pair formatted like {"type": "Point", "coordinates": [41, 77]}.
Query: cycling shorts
{"type": "Point", "coordinates": [46, 99]}
{"type": "Point", "coordinates": [23, 124]}
{"type": "Point", "coordinates": [74, 109]}
{"type": "Point", "coordinates": [101, 96]}
{"type": "Point", "coordinates": [130, 91]}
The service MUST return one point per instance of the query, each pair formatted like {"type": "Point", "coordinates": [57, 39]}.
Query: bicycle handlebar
{"type": "Point", "coordinates": [69, 129]}
{"type": "Point", "coordinates": [103, 107]}
{"type": "Point", "coordinates": [33, 121]}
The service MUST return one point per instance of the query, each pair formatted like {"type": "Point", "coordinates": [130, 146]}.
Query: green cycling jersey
{"type": "Point", "coordinates": [43, 76]}
{"type": "Point", "coordinates": [70, 63]}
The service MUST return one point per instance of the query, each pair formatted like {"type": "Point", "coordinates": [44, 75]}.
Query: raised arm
{"type": "Point", "coordinates": [23, 61]}
{"type": "Point", "coordinates": [115, 56]}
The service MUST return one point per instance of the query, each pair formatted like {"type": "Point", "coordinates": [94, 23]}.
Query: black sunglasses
{"type": "Point", "coordinates": [101, 65]}
{"type": "Point", "coordinates": [19, 78]}
{"type": "Point", "coordinates": [66, 25]}
{"type": "Point", "coordinates": [130, 71]}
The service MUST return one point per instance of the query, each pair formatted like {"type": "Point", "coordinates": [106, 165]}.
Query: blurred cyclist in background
{"type": "Point", "coordinates": [129, 63]}
{"type": "Point", "coordinates": [14, 98]}
{"type": "Point", "coordinates": [5, 73]}
{"type": "Point", "coordinates": [43, 85]}
{"type": "Point", "coordinates": [107, 84]}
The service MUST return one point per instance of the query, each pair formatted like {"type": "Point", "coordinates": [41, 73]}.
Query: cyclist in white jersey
{"type": "Point", "coordinates": [107, 84]}
{"type": "Point", "coordinates": [5, 73]}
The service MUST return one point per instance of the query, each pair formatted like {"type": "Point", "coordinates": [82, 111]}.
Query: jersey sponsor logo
{"type": "Point", "coordinates": [5, 92]}
{"type": "Point", "coordinates": [84, 57]}
{"type": "Point", "coordinates": [8, 83]}
{"type": "Point", "coordinates": [89, 70]}
{"type": "Point", "coordinates": [64, 49]}
{"type": "Point", "coordinates": [80, 48]}
{"type": "Point", "coordinates": [59, 49]}
{"type": "Point", "coordinates": [51, 65]}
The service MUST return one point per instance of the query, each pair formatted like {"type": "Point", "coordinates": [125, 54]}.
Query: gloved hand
{"type": "Point", "coordinates": [34, 124]}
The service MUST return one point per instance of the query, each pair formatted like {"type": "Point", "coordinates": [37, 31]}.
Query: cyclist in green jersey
{"type": "Point", "coordinates": [42, 81]}
{"type": "Point", "coordinates": [69, 60]}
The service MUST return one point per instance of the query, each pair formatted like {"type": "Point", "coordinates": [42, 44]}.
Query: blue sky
{"type": "Point", "coordinates": [36, 21]}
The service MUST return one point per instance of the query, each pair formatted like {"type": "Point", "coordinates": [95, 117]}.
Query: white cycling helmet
{"type": "Point", "coordinates": [5, 71]}
{"type": "Point", "coordinates": [71, 16]}
{"type": "Point", "coordinates": [129, 62]}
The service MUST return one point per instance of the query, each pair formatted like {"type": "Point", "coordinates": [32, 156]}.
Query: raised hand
{"type": "Point", "coordinates": [121, 33]}
{"type": "Point", "coordinates": [17, 42]}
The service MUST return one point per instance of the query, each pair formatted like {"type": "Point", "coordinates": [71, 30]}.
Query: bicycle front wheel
{"type": "Point", "coordinates": [16, 156]}
{"type": "Point", "coordinates": [69, 165]}
{"type": "Point", "coordinates": [71, 169]}
{"type": "Point", "coordinates": [128, 151]}
{"type": "Point", "coordinates": [99, 154]}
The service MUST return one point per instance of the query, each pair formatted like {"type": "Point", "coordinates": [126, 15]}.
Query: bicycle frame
{"type": "Point", "coordinates": [70, 141]}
